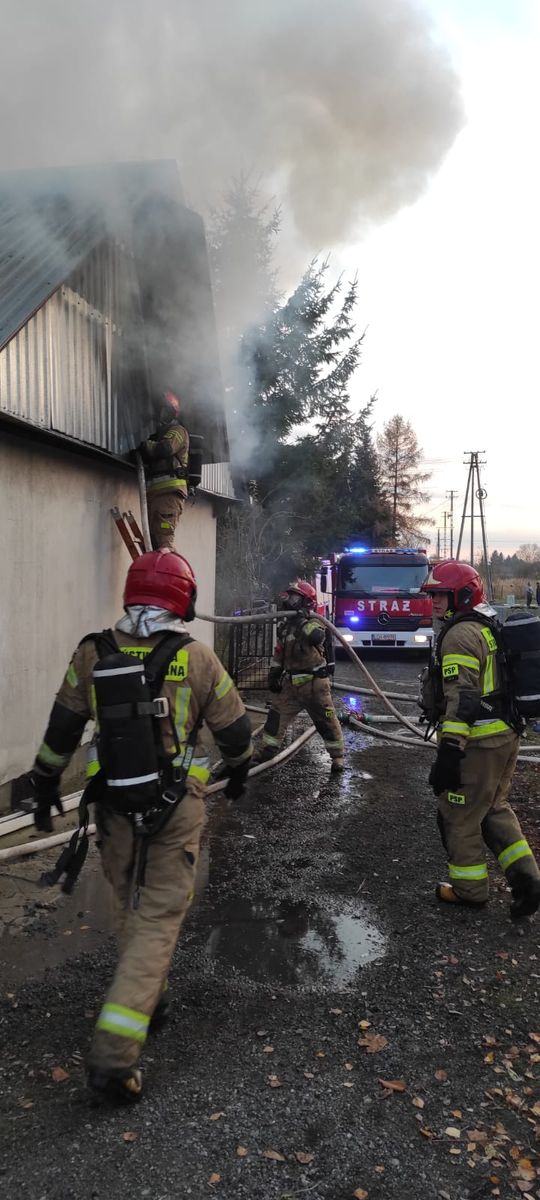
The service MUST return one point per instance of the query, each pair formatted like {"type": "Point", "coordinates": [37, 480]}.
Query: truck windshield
{"type": "Point", "coordinates": [370, 578]}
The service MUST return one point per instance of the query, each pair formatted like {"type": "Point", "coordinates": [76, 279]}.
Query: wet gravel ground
{"type": "Point", "coordinates": [315, 966]}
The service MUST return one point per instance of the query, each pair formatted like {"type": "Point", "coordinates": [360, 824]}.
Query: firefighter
{"type": "Point", "coordinates": [299, 676]}
{"type": "Point", "coordinates": [464, 693]}
{"type": "Point", "coordinates": [159, 596]}
{"type": "Point", "coordinates": [166, 457]}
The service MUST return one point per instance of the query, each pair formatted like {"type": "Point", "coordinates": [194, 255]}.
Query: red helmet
{"type": "Point", "coordinates": [168, 408]}
{"type": "Point", "coordinates": [304, 589]}
{"type": "Point", "coordinates": [163, 578]}
{"type": "Point", "coordinates": [461, 581]}
{"type": "Point", "coordinates": [173, 401]}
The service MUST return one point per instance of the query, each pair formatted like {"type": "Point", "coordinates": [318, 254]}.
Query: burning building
{"type": "Point", "coordinates": [105, 299]}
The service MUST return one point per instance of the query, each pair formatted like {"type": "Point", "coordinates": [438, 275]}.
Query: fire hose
{"type": "Point", "coordinates": [290, 751]}
{"type": "Point", "coordinates": [57, 839]}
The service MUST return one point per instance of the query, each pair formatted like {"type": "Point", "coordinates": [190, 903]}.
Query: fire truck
{"type": "Point", "coordinates": [373, 597]}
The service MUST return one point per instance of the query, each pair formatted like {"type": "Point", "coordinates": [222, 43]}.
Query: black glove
{"type": "Point", "coordinates": [46, 793]}
{"type": "Point", "coordinates": [237, 777]}
{"type": "Point", "coordinates": [445, 774]}
{"type": "Point", "coordinates": [274, 679]}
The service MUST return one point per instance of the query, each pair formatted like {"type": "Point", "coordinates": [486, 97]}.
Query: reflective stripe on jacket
{"type": "Point", "coordinates": [471, 685]}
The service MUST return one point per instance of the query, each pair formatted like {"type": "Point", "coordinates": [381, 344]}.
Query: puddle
{"type": "Point", "coordinates": [294, 944]}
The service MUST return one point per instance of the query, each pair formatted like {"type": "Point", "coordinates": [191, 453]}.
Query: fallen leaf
{"type": "Point", "coordinates": [216, 1116]}
{"type": "Point", "coordinates": [427, 1133]}
{"type": "Point", "coordinates": [535, 1108]}
{"type": "Point", "coordinates": [274, 1155]}
{"type": "Point", "coordinates": [501, 954]}
{"type": "Point", "coordinates": [525, 1169]}
{"type": "Point", "coordinates": [25, 1103]}
{"type": "Point", "coordinates": [452, 1132]}
{"type": "Point", "coordinates": [535, 1037]}
{"type": "Point", "coordinates": [470, 1147]}
{"type": "Point", "coordinates": [373, 1043]}
{"type": "Point", "coordinates": [455, 1150]}
{"type": "Point", "coordinates": [379, 1170]}
{"type": "Point", "coordinates": [364, 1024]}
{"type": "Point", "coordinates": [214, 1178]}
{"type": "Point", "coordinates": [241, 1151]}
{"type": "Point", "coordinates": [309, 1075]}
{"type": "Point", "coordinates": [59, 1075]}
{"type": "Point", "coordinates": [477, 1135]}
{"type": "Point", "coordinates": [490, 1040]}
{"type": "Point", "coordinates": [418, 1102]}
{"type": "Point", "coordinates": [489, 1057]}
{"type": "Point", "coordinates": [320, 1054]}
{"type": "Point", "coordinates": [262, 1033]}
{"type": "Point", "coordinates": [268, 1049]}
{"type": "Point", "coordinates": [303, 1157]}
{"type": "Point", "coordinates": [347, 1084]}
{"type": "Point", "coordinates": [129, 1136]}
{"type": "Point", "coordinates": [360, 1194]}
{"type": "Point", "coordinates": [274, 1081]}
{"type": "Point", "coordinates": [348, 1066]}
{"type": "Point", "coordinates": [441, 1076]}
{"type": "Point", "coordinates": [336, 1012]}
{"type": "Point", "coordinates": [456, 1112]}
{"type": "Point", "coordinates": [394, 1085]}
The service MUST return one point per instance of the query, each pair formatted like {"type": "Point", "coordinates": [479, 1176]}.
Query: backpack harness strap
{"type": "Point", "coordinates": [73, 856]}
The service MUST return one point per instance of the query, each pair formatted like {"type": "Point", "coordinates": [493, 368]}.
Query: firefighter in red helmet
{"type": "Point", "coordinates": [465, 697]}
{"type": "Point", "coordinates": [299, 676]}
{"type": "Point", "coordinates": [166, 458]}
{"type": "Point", "coordinates": [150, 905]}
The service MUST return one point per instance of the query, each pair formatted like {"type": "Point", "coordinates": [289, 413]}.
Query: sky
{"type": "Point", "coordinates": [398, 135]}
{"type": "Point", "coordinates": [449, 286]}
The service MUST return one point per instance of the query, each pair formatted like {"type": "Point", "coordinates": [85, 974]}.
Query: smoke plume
{"type": "Point", "coordinates": [347, 107]}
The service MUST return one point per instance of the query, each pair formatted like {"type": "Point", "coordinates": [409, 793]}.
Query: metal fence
{"type": "Point", "coordinates": [250, 651]}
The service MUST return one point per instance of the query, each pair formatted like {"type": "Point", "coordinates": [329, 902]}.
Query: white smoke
{"type": "Point", "coordinates": [348, 106]}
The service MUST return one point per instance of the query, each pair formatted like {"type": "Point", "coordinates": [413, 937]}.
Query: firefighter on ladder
{"type": "Point", "coordinates": [299, 676]}
{"type": "Point", "coordinates": [166, 458]}
{"type": "Point", "coordinates": [159, 597]}
{"type": "Point", "coordinates": [477, 747]}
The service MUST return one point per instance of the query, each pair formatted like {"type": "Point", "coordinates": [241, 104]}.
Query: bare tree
{"type": "Point", "coordinates": [402, 478]}
{"type": "Point", "coordinates": [529, 552]}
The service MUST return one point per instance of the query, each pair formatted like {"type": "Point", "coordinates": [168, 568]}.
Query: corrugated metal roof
{"type": "Point", "coordinates": [39, 248]}
{"type": "Point", "coordinates": [57, 228]}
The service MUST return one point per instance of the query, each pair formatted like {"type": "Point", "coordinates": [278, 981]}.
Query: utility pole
{"type": "Point", "coordinates": [445, 515]}
{"type": "Point", "coordinates": [438, 543]}
{"type": "Point", "coordinates": [475, 488]}
{"type": "Point", "coordinates": [450, 494]}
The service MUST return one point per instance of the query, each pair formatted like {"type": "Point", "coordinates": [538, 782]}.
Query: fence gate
{"type": "Point", "coordinates": [250, 651]}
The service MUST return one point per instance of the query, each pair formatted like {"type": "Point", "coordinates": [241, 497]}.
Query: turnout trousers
{"type": "Point", "coordinates": [147, 935]}
{"type": "Point", "coordinates": [164, 512]}
{"type": "Point", "coordinates": [478, 814]}
{"type": "Point", "coordinates": [315, 697]}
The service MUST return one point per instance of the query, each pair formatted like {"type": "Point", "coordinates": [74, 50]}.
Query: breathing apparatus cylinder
{"type": "Point", "coordinates": [127, 749]}
{"type": "Point", "coordinates": [521, 644]}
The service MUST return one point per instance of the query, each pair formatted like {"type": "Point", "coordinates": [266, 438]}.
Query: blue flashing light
{"type": "Point", "coordinates": [357, 550]}
{"type": "Point", "coordinates": [355, 620]}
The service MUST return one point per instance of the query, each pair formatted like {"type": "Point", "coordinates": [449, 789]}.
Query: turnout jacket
{"type": "Point", "coordinates": [300, 647]}
{"type": "Point", "coordinates": [470, 686]}
{"type": "Point", "coordinates": [196, 685]}
{"type": "Point", "coordinates": [166, 460]}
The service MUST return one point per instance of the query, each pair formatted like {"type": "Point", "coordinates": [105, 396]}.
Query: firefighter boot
{"type": "Point", "coordinates": [115, 1087]}
{"type": "Point", "coordinates": [446, 894]}
{"type": "Point", "coordinates": [526, 899]}
{"type": "Point", "coordinates": [338, 765]}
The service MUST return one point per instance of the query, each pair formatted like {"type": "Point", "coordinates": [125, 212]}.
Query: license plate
{"type": "Point", "coordinates": [383, 637]}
